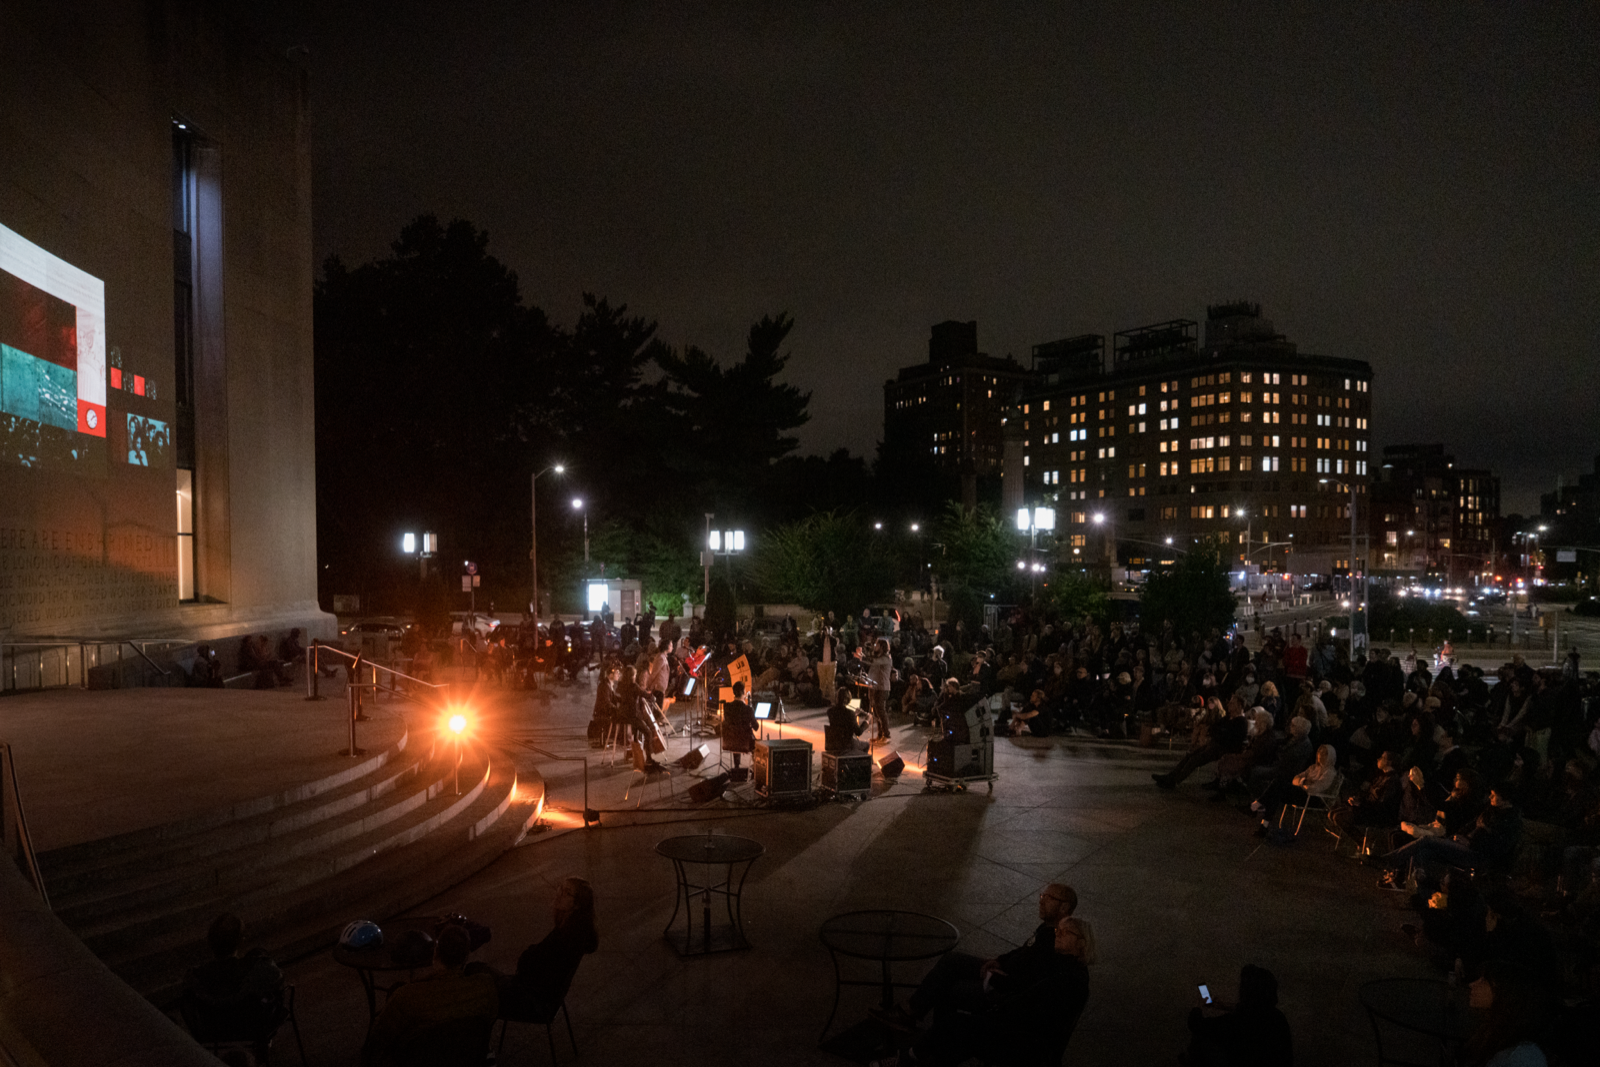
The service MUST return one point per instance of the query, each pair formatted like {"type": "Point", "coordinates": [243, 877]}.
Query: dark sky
{"type": "Point", "coordinates": [1417, 185]}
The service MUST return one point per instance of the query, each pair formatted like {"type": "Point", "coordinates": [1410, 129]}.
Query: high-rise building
{"type": "Point", "coordinates": [1432, 519]}
{"type": "Point", "coordinates": [949, 411]}
{"type": "Point", "coordinates": [1242, 435]}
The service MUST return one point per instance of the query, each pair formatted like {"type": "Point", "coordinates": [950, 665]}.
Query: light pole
{"type": "Point", "coordinates": [1031, 522]}
{"type": "Point", "coordinates": [577, 505]}
{"type": "Point", "coordinates": [533, 533]}
{"type": "Point", "coordinates": [1358, 598]}
{"type": "Point", "coordinates": [1111, 549]}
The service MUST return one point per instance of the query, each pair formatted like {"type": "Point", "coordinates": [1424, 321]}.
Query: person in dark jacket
{"type": "Point", "coordinates": [1253, 1033]}
{"type": "Point", "coordinates": [1227, 738]}
{"type": "Point", "coordinates": [1492, 842]}
{"type": "Point", "coordinates": [545, 968]}
{"type": "Point", "coordinates": [845, 726]}
{"type": "Point", "coordinates": [1376, 805]}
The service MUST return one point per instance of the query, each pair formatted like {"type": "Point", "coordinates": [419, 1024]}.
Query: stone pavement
{"type": "Point", "coordinates": [1177, 890]}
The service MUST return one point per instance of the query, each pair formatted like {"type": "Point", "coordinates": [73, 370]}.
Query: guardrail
{"type": "Point", "coordinates": [32, 666]}
{"type": "Point", "coordinates": [354, 690]}
{"type": "Point", "coordinates": [19, 843]}
{"type": "Point", "coordinates": [589, 814]}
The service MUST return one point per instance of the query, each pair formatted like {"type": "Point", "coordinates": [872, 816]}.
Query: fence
{"type": "Point", "coordinates": [29, 666]}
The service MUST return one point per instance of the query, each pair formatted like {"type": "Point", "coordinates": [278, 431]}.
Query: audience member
{"type": "Point", "coordinates": [418, 1011]}
{"type": "Point", "coordinates": [1251, 1033]}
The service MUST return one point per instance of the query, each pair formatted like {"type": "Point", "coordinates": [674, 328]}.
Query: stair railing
{"type": "Point", "coordinates": [18, 842]}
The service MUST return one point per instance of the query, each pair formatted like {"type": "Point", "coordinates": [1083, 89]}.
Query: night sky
{"type": "Point", "coordinates": [1417, 185]}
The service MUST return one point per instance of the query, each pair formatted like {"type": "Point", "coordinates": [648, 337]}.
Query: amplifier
{"type": "Point", "coordinates": [949, 760]}
{"type": "Point", "coordinates": [847, 774]}
{"type": "Point", "coordinates": [782, 768]}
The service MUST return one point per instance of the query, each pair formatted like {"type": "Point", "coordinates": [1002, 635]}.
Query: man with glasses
{"type": "Point", "coordinates": [964, 982]}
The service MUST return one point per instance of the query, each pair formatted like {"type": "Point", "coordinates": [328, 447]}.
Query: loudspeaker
{"type": "Point", "coordinates": [694, 757]}
{"type": "Point", "coordinates": [891, 765]}
{"type": "Point", "coordinates": [708, 790]}
{"type": "Point", "coordinates": [847, 774]}
{"type": "Point", "coordinates": [949, 760]}
{"type": "Point", "coordinates": [783, 768]}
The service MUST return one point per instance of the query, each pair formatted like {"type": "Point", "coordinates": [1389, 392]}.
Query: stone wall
{"type": "Point", "coordinates": [89, 96]}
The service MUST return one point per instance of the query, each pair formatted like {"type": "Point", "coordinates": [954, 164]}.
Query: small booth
{"type": "Point", "coordinates": [624, 595]}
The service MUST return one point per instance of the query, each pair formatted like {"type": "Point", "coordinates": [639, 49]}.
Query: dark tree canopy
{"type": "Point", "coordinates": [1193, 593]}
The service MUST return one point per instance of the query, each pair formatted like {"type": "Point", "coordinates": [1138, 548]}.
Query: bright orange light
{"type": "Point", "coordinates": [458, 723]}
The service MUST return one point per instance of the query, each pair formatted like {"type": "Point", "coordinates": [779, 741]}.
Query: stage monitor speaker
{"type": "Point", "coordinates": [891, 765]}
{"type": "Point", "coordinates": [783, 768]}
{"type": "Point", "coordinates": [694, 757]}
{"type": "Point", "coordinates": [710, 789]}
{"type": "Point", "coordinates": [949, 760]}
{"type": "Point", "coordinates": [847, 773]}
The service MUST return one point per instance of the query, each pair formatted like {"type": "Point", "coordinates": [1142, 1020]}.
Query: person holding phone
{"type": "Point", "coordinates": [1252, 1031]}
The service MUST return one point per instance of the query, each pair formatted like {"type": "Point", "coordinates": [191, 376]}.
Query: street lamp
{"type": "Point", "coordinates": [1031, 522]}
{"type": "Point", "coordinates": [719, 543]}
{"type": "Point", "coordinates": [1357, 603]}
{"type": "Point", "coordinates": [533, 533]}
{"type": "Point", "coordinates": [577, 505]}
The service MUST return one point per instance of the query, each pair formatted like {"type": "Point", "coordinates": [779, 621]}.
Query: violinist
{"type": "Point", "coordinates": [845, 726]}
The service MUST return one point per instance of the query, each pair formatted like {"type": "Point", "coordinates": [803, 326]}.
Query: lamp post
{"type": "Point", "coordinates": [1031, 522]}
{"type": "Point", "coordinates": [1111, 549]}
{"type": "Point", "coordinates": [457, 724]}
{"type": "Point", "coordinates": [1357, 597]}
{"type": "Point", "coordinates": [577, 505]}
{"type": "Point", "coordinates": [533, 533]}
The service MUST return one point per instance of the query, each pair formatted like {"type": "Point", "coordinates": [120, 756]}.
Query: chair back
{"type": "Point", "coordinates": [454, 1043]}
{"type": "Point", "coordinates": [245, 1018]}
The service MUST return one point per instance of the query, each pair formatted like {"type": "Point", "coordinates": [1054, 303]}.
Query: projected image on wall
{"type": "Point", "coordinates": [52, 359]}
{"type": "Point", "coordinates": [149, 442]}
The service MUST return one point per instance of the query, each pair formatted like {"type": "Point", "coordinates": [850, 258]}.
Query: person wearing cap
{"type": "Point", "coordinates": [446, 996]}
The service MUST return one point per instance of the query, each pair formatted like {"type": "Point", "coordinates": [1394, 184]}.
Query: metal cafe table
{"type": "Point", "coordinates": [367, 962]}
{"type": "Point", "coordinates": [886, 937]}
{"type": "Point", "coordinates": [1427, 1007]}
{"type": "Point", "coordinates": [709, 852]}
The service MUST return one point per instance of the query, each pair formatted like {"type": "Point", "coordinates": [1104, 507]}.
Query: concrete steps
{"type": "Point", "coordinates": [367, 842]}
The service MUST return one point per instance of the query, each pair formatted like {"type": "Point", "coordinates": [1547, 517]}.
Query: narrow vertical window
{"type": "Point", "coordinates": [183, 340]}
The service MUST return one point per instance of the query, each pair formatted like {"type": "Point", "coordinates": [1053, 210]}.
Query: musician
{"type": "Point", "coordinates": [738, 729]}
{"type": "Point", "coordinates": [634, 707]}
{"type": "Point", "coordinates": [880, 677]}
{"type": "Point", "coordinates": [845, 726]}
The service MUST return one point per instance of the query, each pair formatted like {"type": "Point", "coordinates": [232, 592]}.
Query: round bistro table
{"type": "Point", "coordinates": [887, 938]}
{"type": "Point", "coordinates": [706, 853]}
{"type": "Point", "coordinates": [1425, 1006]}
{"type": "Point", "coordinates": [369, 962]}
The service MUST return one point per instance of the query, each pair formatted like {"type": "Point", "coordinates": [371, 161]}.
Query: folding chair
{"type": "Point", "coordinates": [1322, 802]}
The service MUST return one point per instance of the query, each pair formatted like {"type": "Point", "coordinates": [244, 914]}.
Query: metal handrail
{"type": "Point", "coordinates": [567, 759]}
{"type": "Point", "coordinates": [318, 648]}
{"type": "Point", "coordinates": [19, 843]}
{"type": "Point", "coordinates": [142, 655]}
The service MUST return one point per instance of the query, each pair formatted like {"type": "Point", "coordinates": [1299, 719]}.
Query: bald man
{"type": "Point", "coordinates": [967, 983]}
{"type": "Point", "coordinates": [1031, 1021]}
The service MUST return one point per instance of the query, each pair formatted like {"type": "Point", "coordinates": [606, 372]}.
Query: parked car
{"type": "Point", "coordinates": [462, 622]}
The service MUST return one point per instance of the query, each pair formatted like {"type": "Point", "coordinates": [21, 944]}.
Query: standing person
{"type": "Point", "coordinates": [880, 676]}
{"type": "Point", "coordinates": [657, 675]}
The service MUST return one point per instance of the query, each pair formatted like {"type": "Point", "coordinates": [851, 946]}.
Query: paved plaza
{"type": "Point", "coordinates": [1176, 888]}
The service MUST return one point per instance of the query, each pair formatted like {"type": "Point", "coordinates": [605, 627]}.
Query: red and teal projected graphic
{"type": "Point", "coordinates": [52, 359]}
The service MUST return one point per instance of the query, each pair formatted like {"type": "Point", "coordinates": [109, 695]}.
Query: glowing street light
{"type": "Point", "coordinates": [577, 505]}
{"type": "Point", "coordinates": [457, 724]}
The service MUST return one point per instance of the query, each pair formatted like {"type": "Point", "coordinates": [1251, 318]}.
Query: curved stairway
{"type": "Point", "coordinates": [367, 842]}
